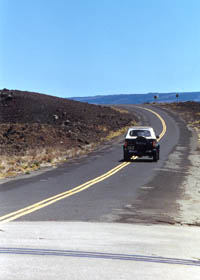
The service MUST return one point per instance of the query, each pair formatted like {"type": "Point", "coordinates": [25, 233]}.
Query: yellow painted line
{"type": "Point", "coordinates": [44, 203]}
{"type": "Point", "coordinates": [164, 127]}
{"type": "Point", "coordinates": [36, 206]}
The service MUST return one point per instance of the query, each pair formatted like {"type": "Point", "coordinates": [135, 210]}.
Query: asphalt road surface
{"type": "Point", "coordinates": [103, 200]}
{"type": "Point", "coordinates": [99, 207]}
{"type": "Point", "coordinates": [100, 201]}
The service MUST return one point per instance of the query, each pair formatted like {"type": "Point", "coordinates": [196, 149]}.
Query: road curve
{"type": "Point", "coordinates": [137, 195]}
{"type": "Point", "coordinates": [94, 188]}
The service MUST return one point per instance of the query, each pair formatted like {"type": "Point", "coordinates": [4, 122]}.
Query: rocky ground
{"type": "Point", "coordinates": [189, 111]}
{"type": "Point", "coordinates": [38, 129]}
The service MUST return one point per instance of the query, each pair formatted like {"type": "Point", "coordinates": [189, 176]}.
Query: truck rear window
{"type": "Point", "coordinates": [144, 133]}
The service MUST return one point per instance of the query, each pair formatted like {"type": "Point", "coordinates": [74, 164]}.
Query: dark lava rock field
{"type": "Point", "coordinates": [30, 120]}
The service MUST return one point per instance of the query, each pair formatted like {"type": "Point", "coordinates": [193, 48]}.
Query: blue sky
{"type": "Point", "coordinates": [89, 47]}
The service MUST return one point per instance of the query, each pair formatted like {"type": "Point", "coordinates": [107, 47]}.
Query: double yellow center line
{"type": "Point", "coordinates": [43, 203]}
{"type": "Point", "coordinates": [36, 206]}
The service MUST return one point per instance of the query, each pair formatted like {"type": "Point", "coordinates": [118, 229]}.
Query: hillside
{"type": "Point", "coordinates": [38, 129]}
{"type": "Point", "coordinates": [139, 98]}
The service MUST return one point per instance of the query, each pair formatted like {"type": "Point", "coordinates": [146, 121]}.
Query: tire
{"type": "Point", "coordinates": [158, 155]}
{"type": "Point", "coordinates": [155, 156]}
{"type": "Point", "coordinates": [141, 144]}
{"type": "Point", "coordinates": [126, 156]}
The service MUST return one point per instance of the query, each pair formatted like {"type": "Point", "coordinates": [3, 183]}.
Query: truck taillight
{"type": "Point", "coordinates": [125, 143]}
{"type": "Point", "coordinates": [154, 143]}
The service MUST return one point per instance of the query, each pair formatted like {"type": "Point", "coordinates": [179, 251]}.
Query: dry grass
{"type": "Point", "coordinates": [49, 156]}
{"type": "Point", "coordinates": [102, 128]}
{"type": "Point", "coordinates": [193, 123]}
{"type": "Point", "coordinates": [38, 158]}
{"type": "Point", "coordinates": [117, 133]}
{"type": "Point", "coordinates": [122, 111]}
{"type": "Point", "coordinates": [114, 134]}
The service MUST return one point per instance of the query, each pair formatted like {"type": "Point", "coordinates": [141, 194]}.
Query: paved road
{"type": "Point", "coordinates": [100, 200]}
{"type": "Point", "coordinates": [69, 239]}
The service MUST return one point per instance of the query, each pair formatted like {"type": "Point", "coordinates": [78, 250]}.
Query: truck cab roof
{"type": "Point", "coordinates": [144, 131]}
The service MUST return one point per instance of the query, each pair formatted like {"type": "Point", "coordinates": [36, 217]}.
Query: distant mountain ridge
{"type": "Point", "coordinates": [139, 98]}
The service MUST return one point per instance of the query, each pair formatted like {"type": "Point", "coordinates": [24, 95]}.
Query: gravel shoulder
{"type": "Point", "coordinates": [190, 200]}
{"type": "Point", "coordinates": [189, 203]}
